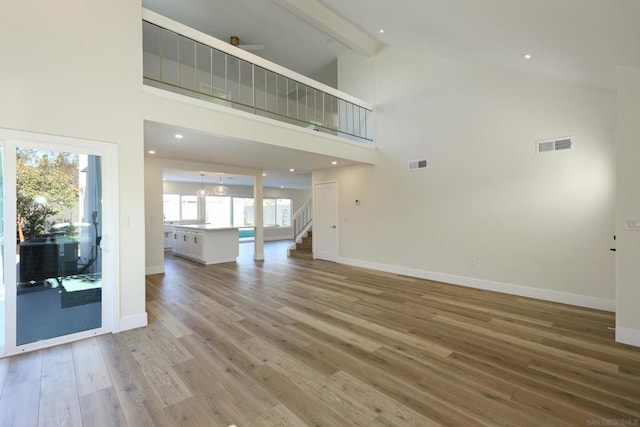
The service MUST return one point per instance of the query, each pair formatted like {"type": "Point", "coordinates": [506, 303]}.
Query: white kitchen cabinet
{"type": "Point", "coordinates": [206, 244]}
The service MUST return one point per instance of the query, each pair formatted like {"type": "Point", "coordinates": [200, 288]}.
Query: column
{"type": "Point", "coordinates": [258, 252]}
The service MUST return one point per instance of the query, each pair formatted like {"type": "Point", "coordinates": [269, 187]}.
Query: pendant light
{"type": "Point", "coordinates": [202, 192]}
{"type": "Point", "coordinates": [220, 189]}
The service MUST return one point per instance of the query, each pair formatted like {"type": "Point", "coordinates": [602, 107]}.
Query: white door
{"type": "Point", "coordinates": [325, 222]}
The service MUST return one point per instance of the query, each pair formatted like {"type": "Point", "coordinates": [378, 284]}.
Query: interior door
{"type": "Point", "coordinates": [325, 222]}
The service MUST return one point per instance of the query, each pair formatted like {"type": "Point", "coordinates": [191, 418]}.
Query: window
{"type": "Point", "coordinates": [277, 212]}
{"type": "Point", "coordinates": [243, 212]}
{"type": "Point", "coordinates": [218, 211]}
{"type": "Point", "coordinates": [269, 212]}
{"type": "Point", "coordinates": [283, 212]}
{"type": "Point", "coordinates": [189, 207]}
{"type": "Point", "coordinates": [171, 207]}
{"type": "Point", "coordinates": [227, 211]}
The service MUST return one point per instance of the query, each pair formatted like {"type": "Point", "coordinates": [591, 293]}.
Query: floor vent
{"type": "Point", "coordinates": [554, 145]}
{"type": "Point", "coordinates": [417, 164]}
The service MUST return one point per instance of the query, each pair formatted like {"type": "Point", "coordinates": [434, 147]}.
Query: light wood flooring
{"type": "Point", "coordinates": [294, 342]}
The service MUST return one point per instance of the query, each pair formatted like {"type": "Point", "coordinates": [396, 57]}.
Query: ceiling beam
{"type": "Point", "coordinates": [326, 20]}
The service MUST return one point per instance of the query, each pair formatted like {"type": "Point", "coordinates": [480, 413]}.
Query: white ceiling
{"type": "Point", "coordinates": [205, 148]}
{"type": "Point", "coordinates": [576, 41]}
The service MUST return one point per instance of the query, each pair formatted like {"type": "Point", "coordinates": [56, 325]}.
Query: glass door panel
{"type": "Point", "coordinates": [2, 282]}
{"type": "Point", "coordinates": [59, 230]}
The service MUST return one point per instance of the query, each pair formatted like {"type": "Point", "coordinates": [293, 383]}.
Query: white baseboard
{"type": "Point", "coordinates": [132, 322]}
{"type": "Point", "coordinates": [506, 288]}
{"type": "Point", "coordinates": [628, 336]}
{"type": "Point", "coordinates": [155, 269]}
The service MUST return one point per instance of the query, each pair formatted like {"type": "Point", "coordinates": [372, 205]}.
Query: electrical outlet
{"type": "Point", "coordinates": [473, 263]}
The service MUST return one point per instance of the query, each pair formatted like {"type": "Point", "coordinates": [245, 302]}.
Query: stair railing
{"type": "Point", "coordinates": [302, 219]}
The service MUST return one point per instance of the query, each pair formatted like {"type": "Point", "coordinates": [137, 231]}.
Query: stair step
{"type": "Point", "coordinates": [304, 249]}
{"type": "Point", "coordinates": [299, 254]}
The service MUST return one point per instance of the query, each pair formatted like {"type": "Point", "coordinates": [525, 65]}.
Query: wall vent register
{"type": "Point", "coordinates": [417, 164]}
{"type": "Point", "coordinates": [554, 145]}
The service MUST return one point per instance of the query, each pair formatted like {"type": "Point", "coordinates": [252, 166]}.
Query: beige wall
{"type": "Point", "coordinates": [488, 211]}
{"type": "Point", "coordinates": [628, 207]}
{"type": "Point", "coordinates": [73, 68]}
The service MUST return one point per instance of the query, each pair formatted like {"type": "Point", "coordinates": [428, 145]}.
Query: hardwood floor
{"type": "Point", "coordinates": [300, 342]}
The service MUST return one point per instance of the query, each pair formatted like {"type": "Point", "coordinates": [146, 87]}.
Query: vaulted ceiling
{"type": "Point", "coordinates": [575, 41]}
{"type": "Point", "coordinates": [578, 41]}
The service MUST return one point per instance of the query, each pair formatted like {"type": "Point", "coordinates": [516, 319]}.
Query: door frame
{"type": "Point", "coordinates": [316, 209]}
{"type": "Point", "coordinates": [10, 140]}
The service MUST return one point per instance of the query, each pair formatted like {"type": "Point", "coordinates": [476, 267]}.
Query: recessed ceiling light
{"type": "Point", "coordinates": [282, 186]}
{"type": "Point", "coordinates": [334, 163]}
{"type": "Point", "coordinates": [527, 56]}
{"type": "Point", "coordinates": [178, 136]}
{"type": "Point", "coordinates": [151, 152]}
{"type": "Point", "coordinates": [292, 170]}
{"type": "Point", "coordinates": [381, 31]}
{"type": "Point", "coordinates": [264, 174]}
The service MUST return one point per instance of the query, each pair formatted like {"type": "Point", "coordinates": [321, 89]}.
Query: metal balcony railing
{"type": "Point", "coordinates": [200, 66]}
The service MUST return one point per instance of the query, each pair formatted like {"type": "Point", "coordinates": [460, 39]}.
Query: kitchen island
{"type": "Point", "coordinates": [206, 244]}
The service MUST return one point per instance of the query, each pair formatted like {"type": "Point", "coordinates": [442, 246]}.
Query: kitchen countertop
{"type": "Point", "coordinates": [205, 227]}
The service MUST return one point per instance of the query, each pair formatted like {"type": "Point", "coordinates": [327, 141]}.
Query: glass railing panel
{"type": "Point", "coordinates": [219, 76]}
{"type": "Point", "coordinates": [319, 108]}
{"type": "Point", "coordinates": [233, 79]}
{"type": "Point", "coordinates": [281, 89]}
{"type": "Point", "coordinates": [342, 115]}
{"type": "Point", "coordinates": [151, 49]}
{"type": "Point", "coordinates": [169, 58]}
{"type": "Point", "coordinates": [303, 103]}
{"type": "Point", "coordinates": [356, 120]}
{"type": "Point", "coordinates": [272, 93]}
{"type": "Point", "coordinates": [246, 84]}
{"type": "Point", "coordinates": [187, 63]}
{"type": "Point", "coordinates": [260, 80]}
{"type": "Point", "coordinates": [204, 77]}
{"type": "Point", "coordinates": [292, 99]}
{"type": "Point", "coordinates": [189, 67]}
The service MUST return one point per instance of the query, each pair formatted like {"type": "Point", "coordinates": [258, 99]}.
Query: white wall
{"type": "Point", "coordinates": [628, 207]}
{"type": "Point", "coordinates": [327, 74]}
{"type": "Point", "coordinates": [154, 237]}
{"type": "Point", "coordinates": [74, 68]}
{"type": "Point", "coordinates": [488, 211]}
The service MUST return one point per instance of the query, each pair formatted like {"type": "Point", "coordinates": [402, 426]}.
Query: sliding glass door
{"type": "Point", "coordinates": [59, 225]}
{"type": "Point", "coordinates": [53, 287]}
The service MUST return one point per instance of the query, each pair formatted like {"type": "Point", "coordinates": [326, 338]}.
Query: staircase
{"type": "Point", "coordinates": [304, 249]}
{"type": "Point", "coordinates": [302, 246]}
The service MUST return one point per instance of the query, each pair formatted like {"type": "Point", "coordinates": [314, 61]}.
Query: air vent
{"type": "Point", "coordinates": [554, 145]}
{"type": "Point", "coordinates": [417, 164]}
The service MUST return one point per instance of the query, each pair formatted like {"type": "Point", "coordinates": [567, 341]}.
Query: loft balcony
{"type": "Point", "coordinates": [182, 60]}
